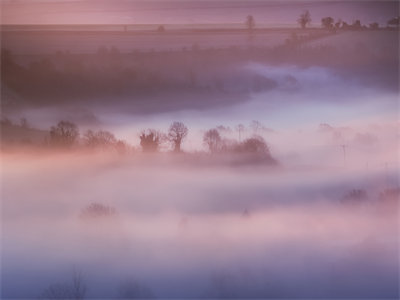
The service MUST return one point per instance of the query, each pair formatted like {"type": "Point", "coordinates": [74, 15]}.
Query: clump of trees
{"type": "Point", "coordinates": [394, 22]}
{"type": "Point", "coordinates": [150, 140]}
{"type": "Point", "coordinates": [255, 146]}
{"type": "Point", "coordinates": [104, 140]}
{"type": "Point", "coordinates": [327, 22]}
{"type": "Point", "coordinates": [64, 134]}
{"type": "Point", "coordinates": [99, 138]}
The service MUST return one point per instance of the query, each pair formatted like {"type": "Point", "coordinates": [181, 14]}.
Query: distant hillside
{"type": "Point", "coordinates": [17, 134]}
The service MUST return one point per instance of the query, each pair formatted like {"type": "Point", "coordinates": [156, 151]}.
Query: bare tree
{"type": "Point", "coordinates": [304, 19]}
{"type": "Point", "coordinates": [213, 140]}
{"type": "Point", "coordinates": [64, 134]}
{"type": "Point", "coordinates": [176, 134]}
{"type": "Point", "coordinates": [250, 22]}
{"type": "Point", "coordinates": [100, 138]}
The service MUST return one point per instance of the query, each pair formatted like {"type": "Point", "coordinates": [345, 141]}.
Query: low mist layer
{"type": "Point", "coordinates": [168, 228]}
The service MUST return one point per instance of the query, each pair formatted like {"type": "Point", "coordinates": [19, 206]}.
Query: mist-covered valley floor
{"type": "Point", "coordinates": [207, 161]}
{"type": "Point", "coordinates": [134, 227]}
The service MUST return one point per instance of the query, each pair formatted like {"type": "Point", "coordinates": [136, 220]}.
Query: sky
{"type": "Point", "coordinates": [266, 13]}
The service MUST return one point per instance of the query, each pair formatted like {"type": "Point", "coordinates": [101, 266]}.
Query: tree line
{"type": "Point", "coordinates": [304, 20]}
{"type": "Point", "coordinates": [66, 135]}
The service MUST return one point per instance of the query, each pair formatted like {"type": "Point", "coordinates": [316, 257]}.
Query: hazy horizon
{"type": "Point", "coordinates": [270, 12]}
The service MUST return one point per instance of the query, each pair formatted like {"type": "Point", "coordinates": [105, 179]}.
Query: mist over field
{"type": "Point", "coordinates": [187, 230]}
{"type": "Point", "coordinates": [199, 149]}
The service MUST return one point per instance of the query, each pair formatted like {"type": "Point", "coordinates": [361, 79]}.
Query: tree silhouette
{"type": "Point", "coordinates": [304, 19]}
{"type": "Point", "coordinates": [212, 139]}
{"type": "Point", "coordinates": [394, 22]}
{"type": "Point", "coordinates": [255, 144]}
{"type": "Point", "coordinates": [250, 22]}
{"type": "Point", "coordinates": [100, 138]}
{"type": "Point", "coordinates": [150, 140]}
{"type": "Point", "coordinates": [327, 22]}
{"type": "Point", "coordinates": [338, 24]}
{"type": "Point", "coordinates": [356, 24]}
{"type": "Point", "coordinates": [64, 134]}
{"type": "Point", "coordinates": [176, 134]}
{"type": "Point", "coordinates": [345, 25]}
{"type": "Point", "coordinates": [374, 26]}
